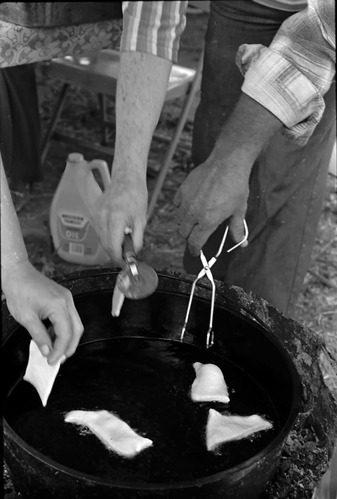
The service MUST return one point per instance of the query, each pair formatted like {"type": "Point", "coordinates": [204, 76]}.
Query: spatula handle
{"type": "Point", "coordinates": [128, 248]}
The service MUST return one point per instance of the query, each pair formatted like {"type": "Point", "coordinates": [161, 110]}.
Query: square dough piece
{"type": "Point", "coordinates": [39, 373]}
{"type": "Point", "coordinates": [114, 433]}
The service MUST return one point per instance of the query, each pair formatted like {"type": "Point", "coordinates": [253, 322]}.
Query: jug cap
{"type": "Point", "coordinates": [75, 157]}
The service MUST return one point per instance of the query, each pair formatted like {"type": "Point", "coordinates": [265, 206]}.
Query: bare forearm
{"type": "Point", "coordinates": [141, 90]}
{"type": "Point", "coordinates": [13, 250]}
{"type": "Point", "coordinates": [218, 189]}
{"type": "Point", "coordinates": [246, 132]}
{"type": "Point", "coordinates": [140, 96]}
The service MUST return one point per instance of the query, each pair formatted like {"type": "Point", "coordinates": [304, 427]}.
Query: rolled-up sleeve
{"type": "Point", "coordinates": [291, 76]}
{"type": "Point", "coordinates": [153, 27]}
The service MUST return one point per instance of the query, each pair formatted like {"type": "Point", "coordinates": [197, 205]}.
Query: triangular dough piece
{"type": "Point", "coordinates": [114, 433]}
{"type": "Point", "coordinates": [222, 428]}
{"type": "Point", "coordinates": [209, 384]}
{"type": "Point", "coordinates": [39, 373]}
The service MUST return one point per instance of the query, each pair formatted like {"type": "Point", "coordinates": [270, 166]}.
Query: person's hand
{"type": "Point", "coordinates": [213, 192]}
{"type": "Point", "coordinates": [31, 298]}
{"type": "Point", "coordinates": [123, 205]}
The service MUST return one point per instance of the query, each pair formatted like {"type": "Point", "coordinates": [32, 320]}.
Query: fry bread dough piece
{"type": "Point", "coordinates": [114, 433]}
{"type": "Point", "coordinates": [209, 384]}
{"type": "Point", "coordinates": [39, 373]}
{"type": "Point", "coordinates": [221, 428]}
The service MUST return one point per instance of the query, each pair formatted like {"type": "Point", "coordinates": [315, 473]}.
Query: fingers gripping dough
{"type": "Point", "coordinates": [114, 433]}
{"type": "Point", "coordinates": [209, 384]}
{"type": "Point", "coordinates": [222, 428]}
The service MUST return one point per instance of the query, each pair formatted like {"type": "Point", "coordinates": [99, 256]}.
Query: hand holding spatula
{"type": "Point", "coordinates": [136, 280]}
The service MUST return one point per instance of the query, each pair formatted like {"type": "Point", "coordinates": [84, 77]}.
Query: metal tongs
{"type": "Point", "coordinates": [206, 270]}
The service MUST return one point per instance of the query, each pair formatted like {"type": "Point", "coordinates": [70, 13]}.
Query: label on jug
{"type": "Point", "coordinates": [77, 235]}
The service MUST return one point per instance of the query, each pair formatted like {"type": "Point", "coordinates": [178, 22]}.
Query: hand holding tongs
{"type": "Point", "coordinates": [206, 270]}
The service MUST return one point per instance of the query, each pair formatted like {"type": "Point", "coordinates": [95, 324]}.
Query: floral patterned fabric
{"type": "Point", "coordinates": [22, 45]}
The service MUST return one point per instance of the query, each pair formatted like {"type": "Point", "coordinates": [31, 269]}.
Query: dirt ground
{"type": "Point", "coordinates": [302, 461]}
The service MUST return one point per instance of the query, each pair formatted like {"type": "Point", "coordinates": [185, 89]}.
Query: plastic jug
{"type": "Point", "coordinates": [72, 231]}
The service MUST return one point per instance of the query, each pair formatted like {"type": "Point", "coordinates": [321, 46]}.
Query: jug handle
{"type": "Point", "coordinates": [102, 167]}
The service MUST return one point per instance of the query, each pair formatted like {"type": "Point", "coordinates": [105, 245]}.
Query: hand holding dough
{"type": "Point", "coordinates": [114, 433]}
{"type": "Point", "coordinates": [41, 374]}
{"type": "Point", "coordinates": [209, 384]}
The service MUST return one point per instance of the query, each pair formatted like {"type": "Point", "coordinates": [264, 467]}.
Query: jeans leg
{"type": "Point", "coordinates": [231, 23]}
{"type": "Point", "coordinates": [287, 183]}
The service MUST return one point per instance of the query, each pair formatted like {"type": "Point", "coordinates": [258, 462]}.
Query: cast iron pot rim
{"type": "Point", "coordinates": [245, 465]}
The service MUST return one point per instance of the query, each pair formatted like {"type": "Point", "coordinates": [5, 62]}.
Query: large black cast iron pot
{"type": "Point", "coordinates": [136, 366]}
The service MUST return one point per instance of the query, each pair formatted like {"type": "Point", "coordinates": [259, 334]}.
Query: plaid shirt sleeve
{"type": "Point", "coordinates": [153, 27]}
{"type": "Point", "coordinates": [291, 76]}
